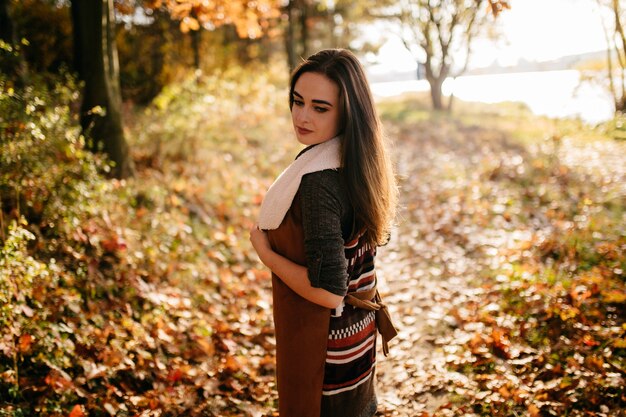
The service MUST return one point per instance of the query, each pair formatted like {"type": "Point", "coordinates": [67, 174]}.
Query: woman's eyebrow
{"type": "Point", "coordinates": [295, 93]}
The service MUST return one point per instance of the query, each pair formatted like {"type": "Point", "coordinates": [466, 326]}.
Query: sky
{"type": "Point", "coordinates": [540, 30]}
{"type": "Point", "coordinates": [534, 30]}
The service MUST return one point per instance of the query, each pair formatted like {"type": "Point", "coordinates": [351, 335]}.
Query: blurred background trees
{"type": "Point", "coordinates": [158, 41]}
{"type": "Point", "coordinates": [438, 31]}
{"type": "Point", "coordinates": [614, 20]}
{"type": "Point", "coordinates": [127, 51]}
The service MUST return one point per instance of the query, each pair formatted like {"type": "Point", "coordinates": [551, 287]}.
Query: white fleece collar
{"type": "Point", "coordinates": [278, 199]}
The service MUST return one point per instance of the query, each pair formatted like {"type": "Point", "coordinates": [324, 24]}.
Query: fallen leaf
{"type": "Point", "coordinates": [25, 342]}
{"type": "Point", "coordinates": [500, 344]}
{"type": "Point", "coordinates": [533, 410]}
{"type": "Point", "coordinates": [614, 296]}
{"type": "Point", "coordinates": [77, 411]}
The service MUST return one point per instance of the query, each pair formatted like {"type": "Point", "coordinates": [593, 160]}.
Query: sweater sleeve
{"type": "Point", "coordinates": [323, 207]}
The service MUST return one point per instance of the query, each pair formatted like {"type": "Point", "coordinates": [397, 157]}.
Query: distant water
{"type": "Point", "coordinates": [549, 93]}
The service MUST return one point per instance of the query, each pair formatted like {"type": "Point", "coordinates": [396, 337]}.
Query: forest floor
{"type": "Point", "coordinates": [461, 219]}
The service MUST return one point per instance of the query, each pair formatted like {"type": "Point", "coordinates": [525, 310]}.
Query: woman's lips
{"type": "Point", "coordinates": [303, 131]}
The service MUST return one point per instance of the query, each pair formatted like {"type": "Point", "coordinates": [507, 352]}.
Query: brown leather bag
{"type": "Point", "coordinates": [384, 324]}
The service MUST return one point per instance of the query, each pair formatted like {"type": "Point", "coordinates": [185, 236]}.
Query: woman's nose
{"type": "Point", "coordinates": [302, 114]}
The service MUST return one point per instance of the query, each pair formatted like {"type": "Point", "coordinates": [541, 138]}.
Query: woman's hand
{"type": "Point", "coordinates": [260, 242]}
{"type": "Point", "coordinates": [294, 275]}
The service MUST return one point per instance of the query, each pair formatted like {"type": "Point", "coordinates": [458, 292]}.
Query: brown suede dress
{"type": "Point", "coordinates": [301, 326]}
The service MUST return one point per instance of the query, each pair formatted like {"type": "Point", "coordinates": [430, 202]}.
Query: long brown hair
{"type": "Point", "coordinates": [366, 165]}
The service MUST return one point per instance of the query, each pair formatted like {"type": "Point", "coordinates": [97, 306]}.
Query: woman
{"type": "Point", "coordinates": [319, 226]}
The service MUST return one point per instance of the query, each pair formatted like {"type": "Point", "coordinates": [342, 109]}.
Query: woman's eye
{"type": "Point", "coordinates": [298, 102]}
{"type": "Point", "coordinates": [321, 109]}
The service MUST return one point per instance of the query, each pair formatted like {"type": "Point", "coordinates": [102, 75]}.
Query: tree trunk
{"type": "Point", "coordinates": [196, 39]}
{"type": "Point", "coordinates": [95, 57]}
{"type": "Point", "coordinates": [332, 28]}
{"type": "Point", "coordinates": [620, 51]}
{"type": "Point", "coordinates": [304, 29]}
{"type": "Point", "coordinates": [6, 25]}
{"type": "Point", "coordinates": [16, 65]}
{"type": "Point", "coordinates": [195, 44]}
{"type": "Point", "coordinates": [290, 44]}
{"type": "Point", "coordinates": [451, 98]}
{"type": "Point", "coordinates": [435, 81]}
{"type": "Point", "coordinates": [436, 95]}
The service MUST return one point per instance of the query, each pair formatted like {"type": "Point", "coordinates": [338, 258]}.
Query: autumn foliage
{"type": "Point", "coordinates": [143, 297]}
{"type": "Point", "coordinates": [251, 18]}
{"type": "Point", "coordinates": [138, 296]}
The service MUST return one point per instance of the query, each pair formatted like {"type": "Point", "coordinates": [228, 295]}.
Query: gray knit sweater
{"type": "Point", "coordinates": [327, 222]}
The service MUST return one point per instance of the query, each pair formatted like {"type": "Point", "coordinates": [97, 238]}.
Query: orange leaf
{"type": "Point", "coordinates": [533, 410]}
{"type": "Point", "coordinates": [175, 375]}
{"type": "Point", "coordinates": [26, 341]}
{"type": "Point", "coordinates": [504, 392]}
{"type": "Point", "coordinates": [620, 343]}
{"type": "Point", "coordinates": [519, 395]}
{"type": "Point", "coordinates": [77, 411]}
{"type": "Point", "coordinates": [476, 342]}
{"type": "Point", "coordinates": [141, 211]}
{"type": "Point", "coordinates": [501, 345]}
{"type": "Point", "coordinates": [595, 363]}
{"type": "Point", "coordinates": [614, 297]}
{"type": "Point", "coordinates": [232, 365]}
{"type": "Point", "coordinates": [114, 243]}
{"type": "Point", "coordinates": [58, 380]}
{"type": "Point", "coordinates": [588, 340]}
{"type": "Point", "coordinates": [206, 346]}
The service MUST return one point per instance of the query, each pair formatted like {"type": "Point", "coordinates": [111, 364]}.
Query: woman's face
{"type": "Point", "coordinates": [315, 112]}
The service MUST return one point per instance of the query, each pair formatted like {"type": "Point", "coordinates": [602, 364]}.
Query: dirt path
{"type": "Point", "coordinates": [427, 266]}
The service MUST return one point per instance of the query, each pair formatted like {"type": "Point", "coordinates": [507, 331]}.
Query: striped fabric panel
{"type": "Point", "coordinates": [363, 282]}
{"type": "Point", "coordinates": [346, 366]}
{"type": "Point", "coordinates": [351, 351]}
{"type": "Point", "coordinates": [350, 385]}
{"type": "Point", "coordinates": [348, 355]}
{"type": "Point", "coordinates": [347, 337]}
